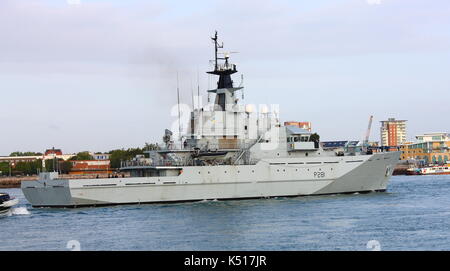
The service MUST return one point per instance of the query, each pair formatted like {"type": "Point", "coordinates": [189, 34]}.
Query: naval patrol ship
{"type": "Point", "coordinates": [229, 151]}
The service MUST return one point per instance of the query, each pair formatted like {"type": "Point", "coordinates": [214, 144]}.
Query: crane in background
{"type": "Point", "coordinates": [366, 138]}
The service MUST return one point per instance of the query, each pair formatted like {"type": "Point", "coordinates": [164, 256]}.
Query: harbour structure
{"type": "Point", "coordinates": [230, 151]}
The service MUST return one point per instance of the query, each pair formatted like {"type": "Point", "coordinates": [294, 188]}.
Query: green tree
{"type": "Point", "coordinates": [150, 147]}
{"type": "Point", "coordinates": [27, 168]}
{"type": "Point", "coordinates": [50, 165]}
{"type": "Point", "coordinates": [65, 166]}
{"type": "Point", "coordinates": [4, 168]}
{"type": "Point", "coordinates": [58, 165]}
{"type": "Point", "coordinates": [314, 137]}
{"type": "Point", "coordinates": [116, 156]}
{"type": "Point", "coordinates": [28, 153]}
{"type": "Point", "coordinates": [82, 156]}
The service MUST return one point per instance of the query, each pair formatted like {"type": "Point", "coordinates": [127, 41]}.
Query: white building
{"type": "Point", "coordinates": [100, 156]}
{"type": "Point", "coordinates": [430, 137]}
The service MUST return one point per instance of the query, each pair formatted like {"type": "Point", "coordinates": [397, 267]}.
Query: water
{"type": "Point", "coordinates": [413, 215]}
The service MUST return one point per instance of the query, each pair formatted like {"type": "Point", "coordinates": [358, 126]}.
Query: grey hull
{"type": "Point", "coordinates": [268, 178]}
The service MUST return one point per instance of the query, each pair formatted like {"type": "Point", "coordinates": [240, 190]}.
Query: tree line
{"type": "Point", "coordinates": [27, 168]}
{"type": "Point", "coordinates": [33, 167]}
{"type": "Point", "coordinates": [116, 156]}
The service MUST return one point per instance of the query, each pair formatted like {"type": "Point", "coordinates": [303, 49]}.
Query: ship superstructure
{"type": "Point", "coordinates": [231, 151]}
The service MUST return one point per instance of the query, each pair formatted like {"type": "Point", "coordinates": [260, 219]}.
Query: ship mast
{"type": "Point", "coordinates": [225, 90]}
{"type": "Point", "coordinates": [216, 47]}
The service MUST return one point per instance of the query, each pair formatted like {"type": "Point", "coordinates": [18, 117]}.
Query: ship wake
{"type": "Point", "coordinates": [19, 211]}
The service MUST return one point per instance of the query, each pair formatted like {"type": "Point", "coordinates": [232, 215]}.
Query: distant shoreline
{"type": "Point", "coordinates": [14, 182]}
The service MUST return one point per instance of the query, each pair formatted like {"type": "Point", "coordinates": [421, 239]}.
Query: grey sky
{"type": "Point", "coordinates": [102, 74]}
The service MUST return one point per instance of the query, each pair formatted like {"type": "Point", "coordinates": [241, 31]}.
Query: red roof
{"type": "Point", "coordinates": [53, 151]}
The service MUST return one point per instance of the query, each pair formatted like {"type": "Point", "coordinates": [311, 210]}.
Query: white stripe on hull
{"type": "Point", "coordinates": [268, 178]}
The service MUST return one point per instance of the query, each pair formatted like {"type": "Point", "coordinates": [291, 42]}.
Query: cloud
{"type": "Point", "coordinates": [120, 58]}
{"type": "Point", "coordinates": [159, 34]}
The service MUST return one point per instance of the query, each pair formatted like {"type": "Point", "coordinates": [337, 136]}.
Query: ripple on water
{"type": "Point", "coordinates": [413, 214]}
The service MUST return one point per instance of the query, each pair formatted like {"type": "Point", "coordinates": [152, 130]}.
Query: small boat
{"type": "Point", "coordinates": [6, 202]}
{"type": "Point", "coordinates": [209, 154]}
{"type": "Point", "coordinates": [430, 170]}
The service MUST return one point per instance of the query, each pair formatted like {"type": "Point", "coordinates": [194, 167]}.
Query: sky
{"type": "Point", "coordinates": [99, 75]}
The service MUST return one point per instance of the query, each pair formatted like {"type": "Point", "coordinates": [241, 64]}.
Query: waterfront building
{"type": "Point", "coordinates": [429, 137]}
{"type": "Point", "coordinates": [53, 151]}
{"type": "Point", "coordinates": [31, 158]}
{"type": "Point", "coordinates": [100, 156]}
{"type": "Point", "coordinates": [393, 132]}
{"type": "Point", "coordinates": [49, 154]}
{"type": "Point", "coordinates": [82, 167]}
{"type": "Point", "coordinates": [432, 148]}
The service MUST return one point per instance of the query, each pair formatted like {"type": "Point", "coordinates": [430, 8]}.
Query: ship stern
{"type": "Point", "coordinates": [48, 191]}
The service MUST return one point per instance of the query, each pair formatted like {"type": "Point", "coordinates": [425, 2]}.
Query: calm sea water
{"type": "Point", "coordinates": [413, 215]}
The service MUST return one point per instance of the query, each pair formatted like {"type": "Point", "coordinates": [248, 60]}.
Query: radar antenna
{"type": "Point", "coordinates": [216, 47]}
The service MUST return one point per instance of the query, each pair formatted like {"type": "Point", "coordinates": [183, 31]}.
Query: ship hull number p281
{"type": "Point", "coordinates": [319, 174]}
